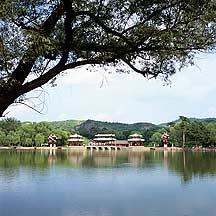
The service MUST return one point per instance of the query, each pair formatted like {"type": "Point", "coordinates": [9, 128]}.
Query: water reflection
{"type": "Point", "coordinates": [63, 183]}
{"type": "Point", "coordinates": [185, 164]}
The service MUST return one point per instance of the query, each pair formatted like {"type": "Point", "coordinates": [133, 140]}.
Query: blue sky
{"type": "Point", "coordinates": [108, 96]}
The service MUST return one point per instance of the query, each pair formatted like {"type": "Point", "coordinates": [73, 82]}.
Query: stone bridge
{"type": "Point", "coordinates": [97, 148]}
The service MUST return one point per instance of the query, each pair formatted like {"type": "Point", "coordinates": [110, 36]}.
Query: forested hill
{"type": "Point", "coordinates": [89, 124]}
{"type": "Point", "coordinates": [67, 124]}
{"type": "Point", "coordinates": [207, 120]}
{"type": "Point", "coordinates": [122, 130]}
{"type": "Point", "coordinates": [101, 126]}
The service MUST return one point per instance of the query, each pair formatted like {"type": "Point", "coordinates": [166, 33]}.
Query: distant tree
{"type": "Point", "coordinates": [26, 131]}
{"type": "Point", "coordinates": [62, 135]}
{"type": "Point", "coordinates": [2, 137]}
{"type": "Point", "coordinates": [28, 142]}
{"type": "Point", "coordinates": [175, 135]}
{"type": "Point", "coordinates": [184, 126]}
{"type": "Point", "coordinates": [9, 124]}
{"type": "Point", "coordinates": [211, 127]}
{"type": "Point", "coordinates": [198, 134]}
{"type": "Point", "coordinates": [41, 39]}
{"type": "Point", "coordinates": [39, 139]}
{"type": "Point", "coordinates": [9, 139]}
{"type": "Point", "coordinates": [156, 138]}
{"type": "Point", "coordinates": [15, 138]}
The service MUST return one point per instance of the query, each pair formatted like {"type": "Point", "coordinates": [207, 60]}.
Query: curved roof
{"type": "Point", "coordinates": [105, 135]}
{"type": "Point", "coordinates": [104, 139]}
{"type": "Point", "coordinates": [135, 140]}
{"type": "Point", "coordinates": [75, 136]}
{"type": "Point", "coordinates": [75, 140]}
{"type": "Point", "coordinates": [136, 135]}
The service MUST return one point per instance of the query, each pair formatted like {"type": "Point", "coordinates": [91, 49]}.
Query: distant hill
{"type": "Point", "coordinates": [67, 124]}
{"type": "Point", "coordinates": [90, 127]}
{"type": "Point", "coordinates": [207, 120]}
{"type": "Point", "coordinates": [89, 124]}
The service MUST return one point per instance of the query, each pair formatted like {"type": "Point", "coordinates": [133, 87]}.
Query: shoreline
{"type": "Point", "coordinates": [129, 149]}
{"type": "Point", "coordinates": [81, 148]}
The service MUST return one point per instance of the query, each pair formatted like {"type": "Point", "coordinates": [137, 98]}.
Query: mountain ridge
{"type": "Point", "coordinates": [76, 124]}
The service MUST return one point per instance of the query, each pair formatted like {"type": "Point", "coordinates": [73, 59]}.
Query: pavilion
{"type": "Point", "coordinates": [104, 139]}
{"type": "Point", "coordinates": [135, 140]}
{"type": "Point", "coordinates": [75, 140]}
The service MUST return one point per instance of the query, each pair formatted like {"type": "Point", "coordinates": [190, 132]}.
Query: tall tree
{"type": "Point", "coordinates": [184, 126]}
{"type": "Point", "coordinates": [9, 124]}
{"type": "Point", "coordinates": [41, 39]}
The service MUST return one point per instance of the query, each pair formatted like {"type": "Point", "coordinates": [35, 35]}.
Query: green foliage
{"type": "Point", "coordinates": [62, 135]}
{"type": "Point", "coordinates": [9, 124]}
{"type": "Point", "coordinates": [156, 138]}
{"type": "Point", "coordinates": [39, 139]}
{"type": "Point", "coordinates": [122, 131]}
{"type": "Point", "coordinates": [44, 38]}
{"type": "Point", "coordinates": [28, 142]}
{"type": "Point", "coordinates": [34, 134]}
{"type": "Point", "coordinates": [211, 128]}
{"type": "Point", "coordinates": [67, 125]}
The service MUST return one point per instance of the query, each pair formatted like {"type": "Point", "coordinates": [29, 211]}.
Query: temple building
{"type": "Point", "coordinates": [75, 140]}
{"type": "Point", "coordinates": [104, 139]}
{"type": "Point", "coordinates": [135, 140]}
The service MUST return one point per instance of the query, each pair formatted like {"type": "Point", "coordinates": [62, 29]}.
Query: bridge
{"type": "Point", "coordinates": [104, 147]}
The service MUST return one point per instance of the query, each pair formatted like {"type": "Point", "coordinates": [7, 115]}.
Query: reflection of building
{"type": "Point", "coordinates": [104, 139]}
{"type": "Point", "coordinates": [136, 158]}
{"type": "Point", "coordinates": [104, 159]}
{"type": "Point", "coordinates": [75, 158]}
{"type": "Point", "coordinates": [135, 140]}
{"type": "Point", "coordinates": [75, 140]}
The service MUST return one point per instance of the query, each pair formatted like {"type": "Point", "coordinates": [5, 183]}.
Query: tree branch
{"type": "Point", "coordinates": [105, 27]}
{"type": "Point", "coordinates": [55, 71]}
{"type": "Point", "coordinates": [144, 73]}
{"type": "Point", "coordinates": [26, 63]}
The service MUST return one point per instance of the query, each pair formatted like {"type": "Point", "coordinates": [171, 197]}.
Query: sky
{"type": "Point", "coordinates": [104, 95]}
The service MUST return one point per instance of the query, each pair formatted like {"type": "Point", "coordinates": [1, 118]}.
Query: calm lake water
{"type": "Point", "coordinates": [64, 183]}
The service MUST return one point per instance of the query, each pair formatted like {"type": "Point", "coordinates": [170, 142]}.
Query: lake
{"type": "Point", "coordinates": [65, 183]}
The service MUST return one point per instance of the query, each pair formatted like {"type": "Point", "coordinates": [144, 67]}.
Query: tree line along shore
{"type": "Point", "coordinates": [183, 133]}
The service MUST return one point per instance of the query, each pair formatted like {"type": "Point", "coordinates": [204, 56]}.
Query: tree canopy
{"type": "Point", "coordinates": [40, 39]}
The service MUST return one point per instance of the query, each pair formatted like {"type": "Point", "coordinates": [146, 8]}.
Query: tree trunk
{"type": "Point", "coordinates": [5, 102]}
{"type": "Point", "coordinates": [183, 139]}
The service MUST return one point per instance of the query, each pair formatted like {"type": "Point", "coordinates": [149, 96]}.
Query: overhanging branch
{"type": "Point", "coordinates": [55, 71]}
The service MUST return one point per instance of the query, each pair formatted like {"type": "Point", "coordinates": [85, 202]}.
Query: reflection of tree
{"type": "Point", "coordinates": [185, 164]}
{"type": "Point", "coordinates": [189, 164]}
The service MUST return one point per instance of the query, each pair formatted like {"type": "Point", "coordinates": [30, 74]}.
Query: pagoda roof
{"type": "Point", "coordinates": [104, 139]}
{"type": "Point", "coordinates": [135, 140]}
{"type": "Point", "coordinates": [75, 136]}
{"type": "Point", "coordinates": [105, 135]}
{"type": "Point", "coordinates": [75, 140]}
{"type": "Point", "coordinates": [136, 135]}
